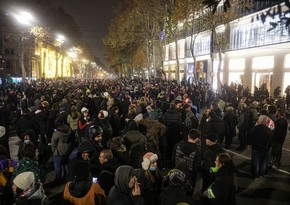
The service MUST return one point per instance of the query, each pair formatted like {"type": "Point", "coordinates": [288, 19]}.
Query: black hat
{"type": "Point", "coordinates": [81, 170]}
{"type": "Point", "coordinates": [212, 137]}
{"type": "Point", "coordinates": [95, 130]}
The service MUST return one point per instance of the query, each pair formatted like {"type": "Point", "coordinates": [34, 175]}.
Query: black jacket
{"type": "Point", "coordinates": [120, 194]}
{"type": "Point", "coordinates": [261, 137]}
{"type": "Point", "coordinates": [280, 132]}
{"type": "Point", "coordinates": [223, 186]}
{"type": "Point", "coordinates": [188, 154]}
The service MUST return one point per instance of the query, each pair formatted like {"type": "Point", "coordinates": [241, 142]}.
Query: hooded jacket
{"type": "Point", "coordinates": [120, 193]}
{"type": "Point", "coordinates": [83, 192]}
{"type": "Point", "coordinates": [76, 155]}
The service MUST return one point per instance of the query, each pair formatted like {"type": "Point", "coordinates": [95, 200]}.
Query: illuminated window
{"type": "Point", "coordinates": [286, 81]}
{"type": "Point", "coordinates": [287, 61]}
{"type": "Point", "coordinates": [237, 64]}
{"type": "Point", "coordinates": [181, 48]}
{"type": "Point", "coordinates": [263, 62]}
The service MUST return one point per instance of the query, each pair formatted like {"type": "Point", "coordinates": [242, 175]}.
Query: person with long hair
{"type": "Point", "coordinates": [72, 120]}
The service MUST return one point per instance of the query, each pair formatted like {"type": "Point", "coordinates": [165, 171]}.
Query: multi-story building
{"type": "Point", "coordinates": [254, 53]}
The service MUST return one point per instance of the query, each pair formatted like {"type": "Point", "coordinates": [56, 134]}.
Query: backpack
{"type": "Point", "coordinates": [7, 167]}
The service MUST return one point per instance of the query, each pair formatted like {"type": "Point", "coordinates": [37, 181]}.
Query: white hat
{"type": "Point", "coordinates": [138, 117]}
{"type": "Point", "coordinates": [84, 109]}
{"type": "Point", "coordinates": [148, 107]}
{"type": "Point", "coordinates": [147, 159]}
{"type": "Point", "coordinates": [106, 94]}
{"type": "Point", "coordinates": [105, 114]}
{"type": "Point", "coordinates": [24, 180]}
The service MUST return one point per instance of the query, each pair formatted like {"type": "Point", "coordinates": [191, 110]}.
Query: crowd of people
{"type": "Point", "coordinates": [136, 142]}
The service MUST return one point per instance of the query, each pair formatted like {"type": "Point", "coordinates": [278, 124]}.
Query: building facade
{"type": "Point", "coordinates": [255, 53]}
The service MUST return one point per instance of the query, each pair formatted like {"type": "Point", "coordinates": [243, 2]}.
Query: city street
{"type": "Point", "coordinates": [273, 189]}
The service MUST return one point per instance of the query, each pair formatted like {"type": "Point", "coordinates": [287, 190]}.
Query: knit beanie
{"type": "Point", "coordinates": [82, 170]}
{"type": "Point", "coordinates": [24, 180]}
{"type": "Point", "coordinates": [147, 159]}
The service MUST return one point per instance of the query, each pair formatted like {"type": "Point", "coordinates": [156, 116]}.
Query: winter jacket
{"type": "Point", "coordinates": [60, 141]}
{"type": "Point", "coordinates": [223, 190]}
{"type": "Point", "coordinates": [154, 129]}
{"type": "Point", "coordinates": [27, 122]}
{"type": "Point", "coordinates": [73, 122]}
{"type": "Point", "coordinates": [188, 153]}
{"type": "Point", "coordinates": [150, 189]}
{"type": "Point", "coordinates": [174, 195]}
{"type": "Point", "coordinates": [83, 192]}
{"type": "Point", "coordinates": [261, 138]}
{"type": "Point", "coordinates": [28, 164]}
{"type": "Point", "coordinates": [120, 194]}
{"type": "Point", "coordinates": [280, 132]}
{"type": "Point", "coordinates": [36, 197]}
{"type": "Point", "coordinates": [218, 127]}
{"type": "Point", "coordinates": [135, 143]}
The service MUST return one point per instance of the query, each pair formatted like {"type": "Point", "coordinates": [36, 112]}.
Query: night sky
{"type": "Point", "coordinates": [93, 18]}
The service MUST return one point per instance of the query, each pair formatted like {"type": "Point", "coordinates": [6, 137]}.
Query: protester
{"type": "Point", "coordinates": [7, 167]}
{"type": "Point", "coordinates": [29, 137]}
{"type": "Point", "coordinates": [209, 157]}
{"type": "Point", "coordinates": [30, 163]}
{"type": "Point", "coordinates": [126, 189]}
{"type": "Point", "coordinates": [150, 179]}
{"type": "Point", "coordinates": [280, 133]}
{"type": "Point", "coordinates": [223, 190]}
{"type": "Point", "coordinates": [108, 167]}
{"type": "Point", "coordinates": [61, 147]}
{"type": "Point", "coordinates": [84, 123]}
{"type": "Point", "coordinates": [261, 138]}
{"type": "Point", "coordinates": [187, 156]}
{"type": "Point", "coordinates": [175, 188]}
{"type": "Point", "coordinates": [82, 190]}
{"type": "Point", "coordinates": [135, 143]}
{"type": "Point", "coordinates": [28, 191]}
{"type": "Point", "coordinates": [72, 120]}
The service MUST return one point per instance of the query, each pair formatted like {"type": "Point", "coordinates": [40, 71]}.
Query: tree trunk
{"type": "Point", "coordinates": [177, 61]}
{"type": "Point", "coordinates": [56, 64]}
{"type": "Point", "coordinates": [219, 71]}
{"type": "Point", "coordinates": [21, 62]}
{"type": "Point", "coordinates": [62, 67]}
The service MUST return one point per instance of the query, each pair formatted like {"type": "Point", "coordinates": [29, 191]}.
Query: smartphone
{"type": "Point", "coordinates": [95, 180]}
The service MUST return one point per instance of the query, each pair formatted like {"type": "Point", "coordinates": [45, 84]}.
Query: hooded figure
{"type": "Point", "coordinates": [175, 187]}
{"type": "Point", "coordinates": [126, 189]}
{"type": "Point", "coordinates": [86, 152]}
{"type": "Point", "coordinates": [82, 190]}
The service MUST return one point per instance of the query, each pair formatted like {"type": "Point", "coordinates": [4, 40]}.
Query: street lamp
{"type": "Point", "coordinates": [24, 18]}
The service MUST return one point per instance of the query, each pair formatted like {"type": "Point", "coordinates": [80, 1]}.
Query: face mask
{"type": "Point", "coordinates": [152, 168]}
{"type": "Point", "coordinates": [26, 141]}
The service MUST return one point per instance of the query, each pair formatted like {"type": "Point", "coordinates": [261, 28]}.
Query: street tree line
{"type": "Point", "coordinates": [140, 29]}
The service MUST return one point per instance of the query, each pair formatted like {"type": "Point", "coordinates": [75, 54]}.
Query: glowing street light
{"type": "Point", "coordinates": [60, 38]}
{"type": "Point", "coordinates": [24, 18]}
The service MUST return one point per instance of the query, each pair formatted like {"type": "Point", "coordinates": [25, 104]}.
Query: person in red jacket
{"type": "Point", "coordinates": [83, 123]}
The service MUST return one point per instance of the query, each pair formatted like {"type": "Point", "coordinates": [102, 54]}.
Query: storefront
{"type": "Point", "coordinates": [236, 70]}
{"type": "Point", "coordinates": [262, 68]}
